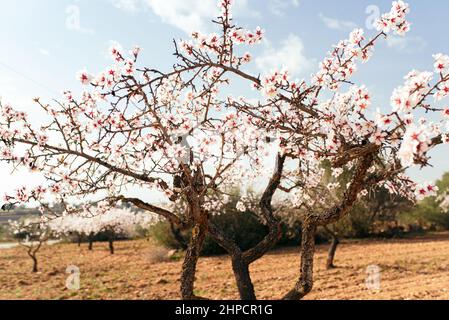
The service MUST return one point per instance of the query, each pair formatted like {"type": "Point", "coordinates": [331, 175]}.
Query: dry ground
{"type": "Point", "coordinates": [411, 269]}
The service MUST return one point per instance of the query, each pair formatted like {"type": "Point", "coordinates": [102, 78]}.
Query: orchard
{"type": "Point", "coordinates": [181, 133]}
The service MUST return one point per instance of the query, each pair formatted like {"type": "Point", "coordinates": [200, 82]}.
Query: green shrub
{"type": "Point", "coordinates": [164, 235]}
{"type": "Point", "coordinates": [244, 228]}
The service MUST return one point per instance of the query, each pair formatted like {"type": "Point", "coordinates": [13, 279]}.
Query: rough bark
{"type": "Point", "coordinates": [240, 267]}
{"type": "Point", "coordinates": [305, 282]}
{"type": "Point", "coordinates": [191, 260]}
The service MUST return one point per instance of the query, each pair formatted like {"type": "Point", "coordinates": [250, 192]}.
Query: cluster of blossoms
{"type": "Point", "coordinates": [221, 46]}
{"type": "Point", "coordinates": [418, 138]}
{"type": "Point", "coordinates": [395, 20]}
{"type": "Point", "coordinates": [124, 66]}
{"type": "Point", "coordinates": [340, 65]}
{"type": "Point", "coordinates": [426, 190]}
{"type": "Point", "coordinates": [407, 97]}
{"type": "Point", "coordinates": [416, 143]}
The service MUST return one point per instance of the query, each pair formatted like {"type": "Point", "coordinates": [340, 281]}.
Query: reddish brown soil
{"type": "Point", "coordinates": [411, 269]}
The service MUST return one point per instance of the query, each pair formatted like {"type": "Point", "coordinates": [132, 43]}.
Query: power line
{"type": "Point", "coordinates": [21, 74]}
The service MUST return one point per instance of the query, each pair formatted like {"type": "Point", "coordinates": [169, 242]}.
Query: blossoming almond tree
{"type": "Point", "coordinates": [175, 133]}
{"type": "Point", "coordinates": [330, 118]}
{"type": "Point", "coordinates": [31, 233]}
{"type": "Point", "coordinates": [112, 222]}
{"type": "Point", "coordinates": [166, 132]}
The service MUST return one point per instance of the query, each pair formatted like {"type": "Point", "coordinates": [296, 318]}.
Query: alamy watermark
{"type": "Point", "coordinates": [73, 281]}
{"type": "Point", "coordinates": [373, 278]}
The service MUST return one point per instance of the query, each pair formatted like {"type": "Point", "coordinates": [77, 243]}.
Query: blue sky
{"type": "Point", "coordinates": [44, 43]}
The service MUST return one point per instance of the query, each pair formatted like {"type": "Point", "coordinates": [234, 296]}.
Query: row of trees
{"type": "Point", "coordinates": [179, 133]}
{"type": "Point", "coordinates": [32, 233]}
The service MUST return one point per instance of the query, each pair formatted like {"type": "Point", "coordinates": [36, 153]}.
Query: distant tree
{"type": "Point", "coordinates": [31, 235]}
{"type": "Point", "coordinates": [110, 223]}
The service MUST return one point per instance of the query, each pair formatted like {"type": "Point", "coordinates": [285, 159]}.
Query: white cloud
{"type": "Point", "coordinates": [336, 24]}
{"type": "Point", "coordinates": [289, 54]}
{"type": "Point", "coordinates": [44, 52]}
{"type": "Point", "coordinates": [279, 7]}
{"type": "Point", "coordinates": [126, 5]}
{"type": "Point", "coordinates": [187, 15]}
{"type": "Point", "coordinates": [406, 44]}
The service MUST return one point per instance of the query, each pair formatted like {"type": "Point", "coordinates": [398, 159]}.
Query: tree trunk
{"type": "Point", "coordinates": [331, 253]}
{"type": "Point", "coordinates": [191, 260]}
{"type": "Point", "coordinates": [243, 279]}
{"type": "Point", "coordinates": [91, 243]}
{"type": "Point", "coordinates": [79, 240]}
{"type": "Point", "coordinates": [35, 269]}
{"type": "Point", "coordinates": [305, 282]}
{"type": "Point", "coordinates": [240, 265]}
{"type": "Point", "coordinates": [111, 246]}
{"type": "Point", "coordinates": [332, 249]}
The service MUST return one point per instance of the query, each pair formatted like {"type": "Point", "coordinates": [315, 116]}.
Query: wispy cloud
{"type": "Point", "coordinates": [127, 5]}
{"type": "Point", "coordinates": [44, 52]}
{"type": "Point", "coordinates": [279, 7]}
{"type": "Point", "coordinates": [187, 15]}
{"type": "Point", "coordinates": [288, 54]}
{"type": "Point", "coordinates": [337, 24]}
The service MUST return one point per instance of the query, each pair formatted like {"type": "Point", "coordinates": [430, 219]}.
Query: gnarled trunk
{"type": "Point", "coordinates": [305, 282]}
{"type": "Point", "coordinates": [242, 260]}
{"type": "Point", "coordinates": [191, 261]}
{"type": "Point", "coordinates": [313, 220]}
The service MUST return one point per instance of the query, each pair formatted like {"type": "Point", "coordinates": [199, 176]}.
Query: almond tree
{"type": "Point", "coordinates": [31, 233]}
{"type": "Point", "coordinates": [329, 119]}
{"type": "Point", "coordinates": [112, 223]}
{"type": "Point", "coordinates": [160, 132]}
